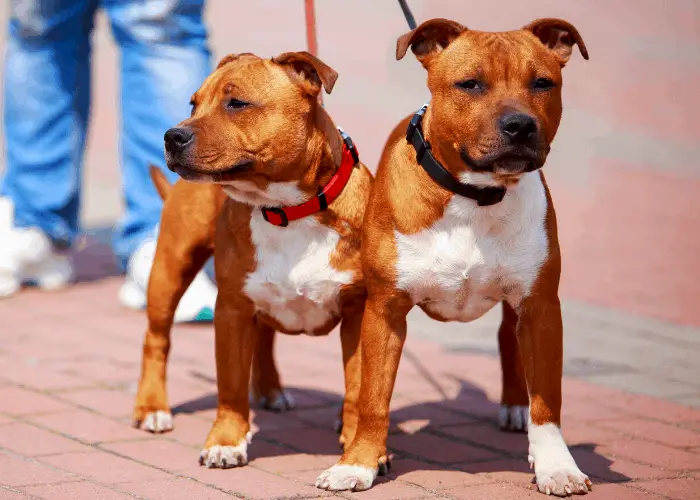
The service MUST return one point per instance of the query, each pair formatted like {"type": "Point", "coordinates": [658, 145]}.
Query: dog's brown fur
{"type": "Point", "coordinates": [258, 133]}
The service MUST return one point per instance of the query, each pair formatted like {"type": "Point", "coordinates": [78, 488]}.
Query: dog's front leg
{"type": "Point", "coordinates": [513, 415]}
{"type": "Point", "coordinates": [541, 342]}
{"type": "Point", "coordinates": [350, 333]}
{"type": "Point", "coordinates": [383, 336]}
{"type": "Point", "coordinates": [235, 333]}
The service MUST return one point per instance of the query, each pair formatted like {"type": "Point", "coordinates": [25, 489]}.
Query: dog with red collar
{"type": "Point", "coordinates": [460, 219]}
{"type": "Point", "coordinates": [287, 239]}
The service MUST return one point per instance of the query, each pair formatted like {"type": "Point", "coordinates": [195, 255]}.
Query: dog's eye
{"type": "Point", "coordinates": [194, 106]}
{"type": "Point", "coordinates": [473, 85]}
{"type": "Point", "coordinates": [543, 84]}
{"type": "Point", "coordinates": [236, 104]}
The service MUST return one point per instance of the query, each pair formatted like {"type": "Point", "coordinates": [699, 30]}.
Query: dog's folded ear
{"type": "Point", "coordinates": [232, 57]}
{"type": "Point", "coordinates": [559, 36]}
{"type": "Point", "coordinates": [428, 39]}
{"type": "Point", "coordinates": [227, 59]}
{"type": "Point", "coordinates": [309, 70]}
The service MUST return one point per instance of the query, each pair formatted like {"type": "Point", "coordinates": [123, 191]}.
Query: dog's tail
{"type": "Point", "coordinates": [160, 182]}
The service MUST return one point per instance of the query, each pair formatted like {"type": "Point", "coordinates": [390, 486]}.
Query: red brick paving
{"type": "Point", "coordinates": [674, 488]}
{"type": "Point", "coordinates": [77, 489]}
{"type": "Point", "coordinates": [74, 440]}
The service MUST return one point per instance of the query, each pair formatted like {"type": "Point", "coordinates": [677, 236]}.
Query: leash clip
{"type": "Point", "coordinates": [415, 122]}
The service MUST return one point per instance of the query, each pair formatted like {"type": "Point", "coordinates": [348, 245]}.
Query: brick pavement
{"type": "Point", "coordinates": [70, 362]}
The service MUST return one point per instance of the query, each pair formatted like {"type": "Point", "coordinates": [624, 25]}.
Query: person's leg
{"type": "Point", "coordinates": [164, 59]}
{"type": "Point", "coordinates": [45, 111]}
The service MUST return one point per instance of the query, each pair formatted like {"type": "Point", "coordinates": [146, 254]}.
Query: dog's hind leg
{"type": "Point", "coordinates": [513, 415]}
{"type": "Point", "coordinates": [266, 388]}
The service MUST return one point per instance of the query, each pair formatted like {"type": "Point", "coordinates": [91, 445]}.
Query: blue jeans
{"type": "Point", "coordinates": [164, 59]}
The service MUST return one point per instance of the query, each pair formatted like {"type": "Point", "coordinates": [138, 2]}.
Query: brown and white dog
{"type": "Point", "coordinates": [287, 240]}
{"type": "Point", "coordinates": [459, 220]}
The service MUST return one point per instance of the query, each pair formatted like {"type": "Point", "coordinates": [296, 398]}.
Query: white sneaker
{"type": "Point", "coordinates": [27, 256]}
{"type": "Point", "coordinates": [197, 304]}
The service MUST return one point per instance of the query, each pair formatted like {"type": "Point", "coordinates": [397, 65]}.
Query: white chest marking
{"type": "Point", "coordinates": [474, 257]}
{"type": "Point", "coordinates": [294, 282]}
{"type": "Point", "coordinates": [277, 193]}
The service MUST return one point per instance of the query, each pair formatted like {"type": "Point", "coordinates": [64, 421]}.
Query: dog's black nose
{"type": "Point", "coordinates": [518, 128]}
{"type": "Point", "coordinates": [177, 139]}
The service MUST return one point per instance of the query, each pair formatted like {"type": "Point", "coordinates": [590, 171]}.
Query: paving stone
{"type": "Point", "coordinates": [87, 426]}
{"type": "Point", "coordinates": [680, 489]}
{"type": "Point", "coordinates": [14, 471]}
{"type": "Point", "coordinates": [18, 401]}
{"type": "Point", "coordinates": [31, 441]}
{"type": "Point", "coordinates": [252, 482]}
{"type": "Point", "coordinates": [670, 435]}
{"type": "Point", "coordinates": [79, 490]}
{"type": "Point", "coordinates": [104, 467]}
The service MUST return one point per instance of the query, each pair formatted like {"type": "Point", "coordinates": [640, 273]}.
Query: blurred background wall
{"type": "Point", "coordinates": [625, 168]}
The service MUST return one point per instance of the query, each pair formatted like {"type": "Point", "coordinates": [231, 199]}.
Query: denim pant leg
{"type": "Point", "coordinates": [164, 60]}
{"type": "Point", "coordinates": [45, 111]}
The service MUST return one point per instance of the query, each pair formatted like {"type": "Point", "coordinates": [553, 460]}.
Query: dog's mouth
{"type": "Point", "coordinates": [194, 174]}
{"type": "Point", "coordinates": [508, 163]}
{"type": "Point", "coordinates": [512, 165]}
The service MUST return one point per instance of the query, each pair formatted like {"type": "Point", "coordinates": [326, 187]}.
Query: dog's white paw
{"type": "Point", "coordinates": [346, 477]}
{"type": "Point", "coordinates": [563, 482]}
{"type": "Point", "coordinates": [556, 472]}
{"type": "Point", "coordinates": [157, 422]}
{"type": "Point", "coordinates": [281, 401]}
{"type": "Point", "coordinates": [225, 457]}
{"type": "Point", "coordinates": [513, 418]}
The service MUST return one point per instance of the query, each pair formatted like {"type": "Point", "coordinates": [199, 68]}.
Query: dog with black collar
{"type": "Point", "coordinates": [460, 219]}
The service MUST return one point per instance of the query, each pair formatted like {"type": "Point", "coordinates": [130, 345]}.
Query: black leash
{"type": "Point", "coordinates": [408, 14]}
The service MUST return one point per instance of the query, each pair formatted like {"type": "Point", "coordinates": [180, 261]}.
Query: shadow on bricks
{"type": "Point", "coordinates": [453, 434]}
{"type": "Point", "coordinates": [92, 256]}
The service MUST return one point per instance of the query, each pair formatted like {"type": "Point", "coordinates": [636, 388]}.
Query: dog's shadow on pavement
{"type": "Point", "coordinates": [92, 256]}
{"type": "Point", "coordinates": [93, 259]}
{"type": "Point", "coordinates": [422, 436]}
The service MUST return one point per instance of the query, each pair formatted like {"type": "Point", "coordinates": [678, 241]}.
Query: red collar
{"type": "Point", "coordinates": [281, 216]}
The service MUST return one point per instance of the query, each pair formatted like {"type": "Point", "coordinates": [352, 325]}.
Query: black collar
{"type": "Point", "coordinates": [484, 196]}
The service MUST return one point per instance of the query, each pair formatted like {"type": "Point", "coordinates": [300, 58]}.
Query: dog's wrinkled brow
{"type": "Point", "coordinates": [230, 88]}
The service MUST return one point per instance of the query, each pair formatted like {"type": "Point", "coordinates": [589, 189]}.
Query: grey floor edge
{"type": "Point", "coordinates": [603, 346]}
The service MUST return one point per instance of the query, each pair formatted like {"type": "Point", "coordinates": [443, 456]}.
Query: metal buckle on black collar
{"type": "Point", "coordinates": [347, 140]}
{"type": "Point", "coordinates": [415, 123]}
{"type": "Point", "coordinates": [284, 221]}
